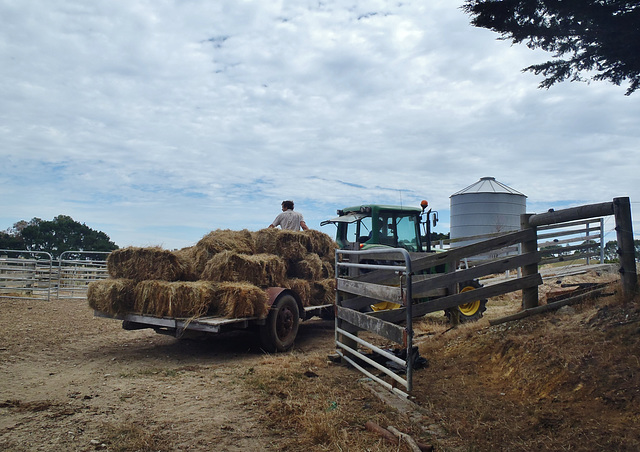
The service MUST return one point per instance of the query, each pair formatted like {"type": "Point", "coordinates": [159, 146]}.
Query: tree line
{"type": "Point", "coordinates": [55, 237]}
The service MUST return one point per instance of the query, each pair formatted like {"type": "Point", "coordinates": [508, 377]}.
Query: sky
{"type": "Point", "coordinates": [158, 121]}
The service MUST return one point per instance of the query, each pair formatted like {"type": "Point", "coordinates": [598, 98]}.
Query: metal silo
{"type": "Point", "coordinates": [486, 207]}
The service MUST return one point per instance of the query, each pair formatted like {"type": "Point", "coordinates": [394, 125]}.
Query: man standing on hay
{"type": "Point", "coordinates": [289, 219]}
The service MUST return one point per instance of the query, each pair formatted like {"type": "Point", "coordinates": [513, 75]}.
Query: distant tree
{"type": "Point", "coordinates": [10, 242]}
{"type": "Point", "coordinates": [611, 251]}
{"type": "Point", "coordinates": [56, 236]}
{"type": "Point", "coordinates": [598, 37]}
{"type": "Point", "coordinates": [437, 236]}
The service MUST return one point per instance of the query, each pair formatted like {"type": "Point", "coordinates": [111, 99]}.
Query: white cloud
{"type": "Point", "coordinates": [162, 120]}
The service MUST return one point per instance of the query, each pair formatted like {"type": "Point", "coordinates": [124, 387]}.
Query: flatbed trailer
{"type": "Point", "coordinates": [277, 330]}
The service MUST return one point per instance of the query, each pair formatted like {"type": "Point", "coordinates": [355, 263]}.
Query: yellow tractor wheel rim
{"type": "Point", "coordinates": [470, 308]}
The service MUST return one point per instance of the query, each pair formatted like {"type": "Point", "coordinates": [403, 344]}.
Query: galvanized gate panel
{"type": "Point", "coordinates": [26, 273]}
{"type": "Point", "coordinates": [76, 269]}
{"type": "Point", "coordinates": [349, 320]}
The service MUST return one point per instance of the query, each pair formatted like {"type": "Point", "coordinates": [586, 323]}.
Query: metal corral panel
{"type": "Point", "coordinates": [486, 207]}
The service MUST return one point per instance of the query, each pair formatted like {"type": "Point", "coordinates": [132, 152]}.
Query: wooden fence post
{"type": "Point", "coordinates": [626, 247]}
{"type": "Point", "coordinates": [529, 294]}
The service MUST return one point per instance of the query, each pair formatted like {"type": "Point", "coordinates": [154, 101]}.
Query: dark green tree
{"type": "Point", "coordinates": [61, 234]}
{"type": "Point", "coordinates": [599, 38]}
{"type": "Point", "coordinates": [611, 251]}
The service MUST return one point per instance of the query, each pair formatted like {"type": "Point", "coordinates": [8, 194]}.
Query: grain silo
{"type": "Point", "coordinates": [486, 207]}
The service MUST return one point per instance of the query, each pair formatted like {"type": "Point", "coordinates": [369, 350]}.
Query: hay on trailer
{"type": "Point", "coordinates": [289, 245]}
{"type": "Point", "coordinates": [149, 263]}
{"type": "Point", "coordinates": [221, 240]}
{"type": "Point", "coordinates": [241, 299]}
{"type": "Point", "coordinates": [309, 268]}
{"type": "Point", "coordinates": [186, 299]}
{"type": "Point", "coordinates": [321, 244]}
{"type": "Point", "coordinates": [112, 296]}
{"type": "Point", "coordinates": [323, 291]}
{"type": "Point", "coordinates": [328, 268]}
{"type": "Point", "coordinates": [265, 270]}
{"type": "Point", "coordinates": [302, 288]}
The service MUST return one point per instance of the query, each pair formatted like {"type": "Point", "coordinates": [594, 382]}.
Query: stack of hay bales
{"type": "Point", "coordinates": [224, 274]}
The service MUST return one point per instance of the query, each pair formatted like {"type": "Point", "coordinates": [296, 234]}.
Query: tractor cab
{"type": "Point", "coordinates": [368, 226]}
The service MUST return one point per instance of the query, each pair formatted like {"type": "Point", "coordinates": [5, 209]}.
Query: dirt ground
{"type": "Point", "coordinates": [564, 380]}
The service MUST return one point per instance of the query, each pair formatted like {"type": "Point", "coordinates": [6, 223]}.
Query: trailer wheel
{"type": "Point", "coordinates": [281, 328]}
{"type": "Point", "coordinates": [472, 311]}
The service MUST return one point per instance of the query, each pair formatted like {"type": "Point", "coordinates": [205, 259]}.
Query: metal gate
{"type": "Point", "coordinates": [352, 296]}
{"type": "Point", "coordinates": [76, 269]}
{"type": "Point", "coordinates": [26, 274]}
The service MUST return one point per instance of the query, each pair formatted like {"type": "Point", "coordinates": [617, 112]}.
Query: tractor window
{"type": "Point", "coordinates": [407, 233]}
{"type": "Point", "coordinates": [359, 231]}
{"type": "Point", "coordinates": [398, 231]}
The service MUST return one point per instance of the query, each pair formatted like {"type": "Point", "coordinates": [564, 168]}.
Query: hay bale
{"type": "Point", "coordinates": [302, 288]}
{"type": "Point", "coordinates": [328, 268]}
{"type": "Point", "coordinates": [221, 240]}
{"type": "Point", "coordinates": [323, 291]}
{"type": "Point", "coordinates": [112, 296]}
{"type": "Point", "coordinates": [321, 244]}
{"type": "Point", "coordinates": [309, 268]}
{"type": "Point", "coordinates": [241, 299]}
{"type": "Point", "coordinates": [289, 245]}
{"type": "Point", "coordinates": [185, 299]}
{"type": "Point", "coordinates": [264, 270]}
{"type": "Point", "coordinates": [149, 263]}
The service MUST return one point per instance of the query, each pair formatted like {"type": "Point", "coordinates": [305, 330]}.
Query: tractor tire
{"type": "Point", "coordinates": [468, 312]}
{"type": "Point", "coordinates": [281, 328]}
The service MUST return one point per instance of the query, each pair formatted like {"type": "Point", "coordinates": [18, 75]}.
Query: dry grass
{"type": "Point", "coordinates": [320, 406]}
{"type": "Point", "coordinates": [566, 380]}
{"type": "Point", "coordinates": [125, 437]}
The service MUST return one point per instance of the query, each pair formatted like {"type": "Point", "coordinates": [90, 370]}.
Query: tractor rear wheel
{"type": "Point", "coordinates": [468, 312]}
{"type": "Point", "coordinates": [281, 328]}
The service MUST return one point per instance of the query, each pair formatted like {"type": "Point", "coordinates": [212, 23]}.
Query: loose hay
{"type": "Point", "coordinates": [238, 299]}
{"type": "Point", "coordinates": [112, 296]}
{"type": "Point", "coordinates": [149, 263]}
{"type": "Point", "coordinates": [265, 270]}
{"type": "Point", "coordinates": [323, 291]}
{"type": "Point", "coordinates": [184, 299]}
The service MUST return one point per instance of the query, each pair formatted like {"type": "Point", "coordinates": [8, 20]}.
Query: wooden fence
{"type": "Point", "coordinates": [426, 283]}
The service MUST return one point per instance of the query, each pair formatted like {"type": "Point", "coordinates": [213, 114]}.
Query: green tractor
{"type": "Point", "coordinates": [373, 226]}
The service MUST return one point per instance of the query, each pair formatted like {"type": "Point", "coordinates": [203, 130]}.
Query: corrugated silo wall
{"type": "Point", "coordinates": [484, 213]}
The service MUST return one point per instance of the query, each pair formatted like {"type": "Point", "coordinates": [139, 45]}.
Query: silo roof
{"type": "Point", "coordinates": [488, 185]}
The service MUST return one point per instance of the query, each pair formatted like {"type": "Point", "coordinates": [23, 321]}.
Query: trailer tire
{"type": "Point", "coordinates": [281, 327]}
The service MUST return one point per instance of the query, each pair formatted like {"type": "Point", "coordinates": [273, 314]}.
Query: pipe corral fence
{"type": "Point", "coordinates": [35, 274]}
{"type": "Point", "coordinates": [428, 282]}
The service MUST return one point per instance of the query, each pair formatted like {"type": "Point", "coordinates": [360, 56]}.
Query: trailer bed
{"type": "Point", "coordinates": [208, 324]}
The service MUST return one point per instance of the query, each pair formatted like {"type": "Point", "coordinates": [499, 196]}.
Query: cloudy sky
{"type": "Point", "coordinates": [158, 121]}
